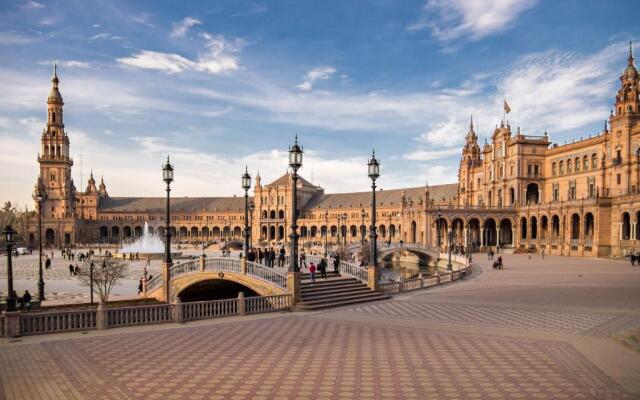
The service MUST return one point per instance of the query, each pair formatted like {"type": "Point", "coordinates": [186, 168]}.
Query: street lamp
{"type": "Point", "coordinates": [252, 207]}
{"type": "Point", "coordinates": [246, 184]}
{"type": "Point", "coordinates": [450, 237]}
{"type": "Point", "coordinates": [9, 239]}
{"type": "Point", "coordinates": [362, 231]}
{"type": "Point", "coordinates": [374, 173]}
{"type": "Point", "coordinates": [167, 176]}
{"type": "Point", "coordinates": [438, 222]}
{"type": "Point", "coordinates": [39, 196]}
{"type": "Point", "coordinates": [326, 231]}
{"type": "Point", "coordinates": [346, 231]}
{"type": "Point", "coordinates": [295, 162]}
{"type": "Point", "coordinates": [91, 266]}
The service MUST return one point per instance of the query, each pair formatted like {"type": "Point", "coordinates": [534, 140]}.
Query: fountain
{"type": "Point", "coordinates": [148, 245]}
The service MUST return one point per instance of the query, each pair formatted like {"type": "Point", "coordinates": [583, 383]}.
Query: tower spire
{"type": "Point", "coordinates": [630, 58]}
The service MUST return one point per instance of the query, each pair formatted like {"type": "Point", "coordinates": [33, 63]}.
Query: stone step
{"type": "Point", "coordinates": [339, 303]}
{"type": "Point", "coordinates": [335, 295]}
{"type": "Point", "coordinates": [313, 290]}
{"type": "Point", "coordinates": [340, 297]}
{"type": "Point", "coordinates": [328, 282]}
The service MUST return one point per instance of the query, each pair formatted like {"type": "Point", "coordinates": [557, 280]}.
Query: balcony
{"type": "Point", "coordinates": [617, 161]}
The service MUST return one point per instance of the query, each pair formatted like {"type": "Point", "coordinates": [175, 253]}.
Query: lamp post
{"type": "Point", "coordinates": [252, 207]}
{"type": "Point", "coordinates": [9, 238]}
{"type": "Point", "coordinates": [438, 217]}
{"type": "Point", "coordinates": [91, 282]}
{"type": "Point", "coordinates": [246, 184]}
{"type": "Point", "coordinates": [346, 232]}
{"type": "Point", "coordinates": [326, 231]}
{"type": "Point", "coordinates": [295, 162]}
{"type": "Point", "coordinates": [362, 231]}
{"type": "Point", "coordinates": [167, 176]}
{"type": "Point", "coordinates": [39, 196]}
{"type": "Point", "coordinates": [450, 237]}
{"type": "Point", "coordinates": [374, 173]}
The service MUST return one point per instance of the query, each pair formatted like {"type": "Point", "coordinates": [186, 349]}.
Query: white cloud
{"type": "Point", "coordinates": [319, 73]}
{"type": "Point", "coordinates": [181, 28]}
{"type": "Point", "coordinates": [33, 5]}
{"type": "Point", "coordinates": [143, 19]}
{"type": "Point", "coordinates": [67, 63]}
{"type": "Point", "coordinates": [104, 35]}
{"type": "Point", "coordinates": [218, 58]}
{"type": "Point", "coordinates": [453, 19]}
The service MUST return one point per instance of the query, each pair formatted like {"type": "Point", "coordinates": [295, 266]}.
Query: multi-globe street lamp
{"type": "Point", "coordinates": [9, 239]}
{"type": "Point", "coordinates": [295, 162]}
{"type": "Point", "coordinates": [345, 231]}
{"type": "Point", "coordinates": [246, 184]}
{"type": "Point", "coordinates": [374, 173]}
{"type": "Point", "coordinates": [40, 196]}
{"type": "Point", "coordinates": [167, 176]}
{"type": "Point", "coordinates": [362, 229]}
{"type": "Point", "coordinates": [326, 231]}
{"type": "Point", "coordinates": [450, 241]}
{"type": "Point", "coordinates": [252, 207]}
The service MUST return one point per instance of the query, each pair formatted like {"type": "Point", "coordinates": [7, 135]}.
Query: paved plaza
{"type": "Point", "coordinates": [535, 330]}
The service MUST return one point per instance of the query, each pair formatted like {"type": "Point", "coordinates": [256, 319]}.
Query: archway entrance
{"type": "Point", "coordinates": [215, 289]}
{"type": "Point", "coordinates": [506, 233]}
{"type": "Point", "coordinates": [413, 232]}
{"type": "Point", "coordinates": [49, 236]}
{"type": "Point", "coordinates": [532, 194]}
{"type": "Point", "coordinates": [490, 232]}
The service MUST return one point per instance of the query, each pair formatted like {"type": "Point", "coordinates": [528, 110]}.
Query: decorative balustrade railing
{"type": "Point", "coordinates": [422, 283]}
{"type": "Point", "coordinates": [268, 274]}
{"type": "Point", "coordinates": [458, 259]}
{"type": "Point", "coordinates": [209, 309]}
{"type": "Point", "coordinates": [222, 264]}
{"type": "Point", "coordinates": [347, 267]}
{"type": "Point", "coordinates": [255, 305]}
{"type": "Point", "coordinates": [41, 322]}
{"type": "Point", "coordinates": [57, 321]}
{"type": "Point", "coordinates": [139, 315]}
{"type": "Point", "coordinates": [154, 282]}
{"type": "Point", "coordinates": [185, 267]}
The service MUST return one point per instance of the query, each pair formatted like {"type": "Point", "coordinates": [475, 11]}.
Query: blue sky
{"type": "Point", "coordinates": [221, 84]}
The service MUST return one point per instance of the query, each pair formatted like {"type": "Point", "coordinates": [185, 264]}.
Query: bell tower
{"type": "Point", "coordinates": [54, 160]}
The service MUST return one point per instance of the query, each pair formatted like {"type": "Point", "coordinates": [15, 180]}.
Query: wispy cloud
{"type": "Point", "coordinates": [218, 58]}
{"type": "Point", "coordinates": [67, 63]}
{"type": "Point", "coordinates": [143, 19]}
{"type": "Point", "coordinates": [104, 35]}
{"type": "Point", "coordinates": [448, 20]}
{"type": "Point", "coordinates": [9, 38]}
{"type": "Point", "coordinates": [33, 5]}
{"type": "Point", "coordinates": [319, 73]}
{"type": "Point", "coordinates": [181, 28]}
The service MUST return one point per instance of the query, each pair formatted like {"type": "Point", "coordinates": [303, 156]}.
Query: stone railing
{"type": "Point", "coordinates": [423, 282]}
{"type": "Point", "coordinates": [461, 261]}
{"type": "Point", "coordinates": [139, 315]}
{"type": "Point", "coordinates": [267, 274]}
{"type": "Point", "coordinates": [349, 268]}
{"type": "Point", "coordinates": [221, 264]}
{"type": "Point", "coordinates": [33, 323]}
{"type": "Point", "coordinates": [41, 322]}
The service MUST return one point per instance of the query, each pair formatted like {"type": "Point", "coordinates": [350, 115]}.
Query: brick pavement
{"type": "Point", "coordinates": [476, 339]}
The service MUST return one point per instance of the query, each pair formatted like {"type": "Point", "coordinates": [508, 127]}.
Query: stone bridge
{"type": "Point", "coordinates": [262, 280]}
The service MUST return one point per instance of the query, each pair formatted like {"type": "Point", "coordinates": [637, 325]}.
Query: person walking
{"type": "Point", "coordinates": [148, 261]}
{"type": "Point", "coordinates": [26, 300]}
{"type": "Point", "coordinates": [76, 271]}
{"type": "Point", "coordinates": [303, 259]}
{"type": "Point", "coordinates": [47, 263]}
{"type": "Point", "coordinates": [260, 255]}
{"type": "Point", "coordinates": [140, 285]}
{"type": "Point", "coordinates": [71, 269]}
{"type": "Point", "coordinates": [500, 262]}
{"type": "Point", "coordinates": [633, 259]}
{"type": "Point", "coordinates": [542, 253]}
{"type": "Point", "coordinates": [322, 266]}
{"type": "Point", "coordinates": [312, 272]}
{"type": "Point", "coordinates": [336, 263]}
{"type": "Point", "coordinates": [281, 257]}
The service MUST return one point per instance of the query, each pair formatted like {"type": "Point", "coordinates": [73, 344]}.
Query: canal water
{"type": "Point", "coordinates": [393, 269]}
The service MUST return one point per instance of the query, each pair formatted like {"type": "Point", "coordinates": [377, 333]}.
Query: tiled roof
{"type": "Point", "coordinates": [284, 180]}
{"type": "Point", "coordinates": [438, 194]}
{"type": "Point", "coordinates": [177, 204]}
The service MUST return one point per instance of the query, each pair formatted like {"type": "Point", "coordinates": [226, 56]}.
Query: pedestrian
{"type": "Point", "coordinates": [281, 257]}
{"type": "Point", "coordinates": [140, 285]}
{"type": "Point", "coordinates": [137, 256]}
{"type": "Point", "coordinates": [529, 252]}
{"type": "Point", "coordinates": [500, 262]}
{"type": "Point", "coordinates": [76, 271]}
{"type": "Point", "coordinates": [260, 255]}
{"type": "Point", "coordinates": [47, 263]}
{"type": "Point", "coordinates": [71, 269]}
{"type": "Point", "coordinates": [272, 257]}
{"type": "Point", "coordinates": [542, 253]}
{"type": "Point", "coordinates": [322, 266]}
{"type": "Point", "coordinates": [489, 255]}
{"type": "Point", "coordinates": [336, 263]}
{"type": "Point", "coordinates": [303, 259]}
{"type": "Point", "coordinates": [148, 261]}
{"type": "Point", "coordinates": [312, 271]}
{"type": "Point", "coordinates": [26, 300]}
{"type": "Point", "coordinates": [251, 256]}
{"type": "Point", "coordinates": [633, 259]}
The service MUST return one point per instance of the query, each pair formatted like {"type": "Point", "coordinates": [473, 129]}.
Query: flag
{"type": "Point", "coordinates": [507, 109]}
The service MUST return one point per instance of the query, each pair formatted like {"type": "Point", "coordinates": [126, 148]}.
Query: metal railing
{"type": "Point", "coordinates": [140, 315]}
{"type": "Point", "coordinates": [57, 321]}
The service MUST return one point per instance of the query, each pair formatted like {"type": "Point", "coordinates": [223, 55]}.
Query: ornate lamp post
{"type": "Point", "coordinates": [246, 184]}
{"type": "Point", "coordinates": [450, 238]}
{"type": "Point", "coordinates": [252, 207]}
{"type": "Point", "coordinates": [39, 196]}
{"type": "Point", "coordinates": [346, 232]}
{"type": "Point", "coordinates": [362, 231]}
{"type": "Point", "coordinates": [438, 217]}
{"type": "Point", "coordinates": [295, 162]}
{"type": "Point", "coordinates": [326, 231]}
{"type": "Point", "coordinates": [469, 245]}
{"type": "Point", "coordinates": [374, 173]}
{"type": "Point", "coordinates": [9, 238]}
{"type": "Point", "coordinates": [167, 176]}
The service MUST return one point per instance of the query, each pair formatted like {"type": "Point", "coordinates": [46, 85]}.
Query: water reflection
{"type": "Point", "coordinates": [393, 269]}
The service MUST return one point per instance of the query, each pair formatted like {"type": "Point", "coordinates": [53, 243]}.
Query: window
{"type": "Point", "coordinates": [569, 165]}
{"type": "Point", "coordinates": [618, 179]}
{"type": "Point", "coordinates": [53, 118]}
{"type": "Point", "coordinates": [536, 170]}
{"type": "Point", "coordinates": [572, 190]}
{"type": "Point", "coordinates": [577, 164]}
{"type": "Point", "coordinates": [553, 169]}
{"type": "Point", "coordinates": [594, 161]}
{"type": "Point", "coordinates": [585, 163]}
{"type": "Point", "coordinates": [561, 167]}
{"type": "Point", "coordinates": [592, 186]}
{"type": "Point", "coordinates": [556, 192]}
{"type": "Point", "coordinates": [528, 169]}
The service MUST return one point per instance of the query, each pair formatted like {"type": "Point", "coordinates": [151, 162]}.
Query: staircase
{"type": "Point", "coordinates": [335, 291]}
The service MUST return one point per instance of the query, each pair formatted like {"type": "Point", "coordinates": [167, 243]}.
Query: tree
{"type": "Point", "coordinates": [105, 276]}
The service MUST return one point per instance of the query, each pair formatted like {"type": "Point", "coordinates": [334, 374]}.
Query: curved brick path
{"type": "Point", "coordinates": [538, 329]}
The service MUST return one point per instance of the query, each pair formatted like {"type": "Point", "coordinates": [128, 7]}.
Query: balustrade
{"type": "Point", "coordinates": [268, 274]}
{"type": "Point", "coordinates": [57, 321]}
{"type": "Point", "coordinates": [424, 282]}
{"type": "Point", "coordinates": [139, 315]}
{"type": "Point", "coordinates": [208, 309]}
{"type": "Point", "coordinates": [255, 305]}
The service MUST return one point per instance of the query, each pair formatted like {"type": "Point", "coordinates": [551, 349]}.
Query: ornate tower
{"type": "Point", "coordinates": [627, 101]}
{"type": "Point", "coordinates": [54, 160]}
{"type": "Point", "coordinates": [470, 159]}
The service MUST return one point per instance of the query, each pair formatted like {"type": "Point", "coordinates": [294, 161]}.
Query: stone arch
{"type": "Point", "coordinates": [115, 231]}
{"type": "Point", "coordinates": [104, 232]}
{"type": "Point", "coordinates": [264, 232]}
{"type": "Point", "coordinates": [353, 231]}
{"type": "Point", "coordinates": [392, 231]}
{"type": "Point", "coordinates": [382, 231]}
{"type": "Point", "coordinates": [490, 232]}
{"type": "Point", "coordinates": [441, 226]}
{"type": "Point", "coordinates": [575, 227]}
{"type": "Point", "coordinates": [512, 196]}
{"type": "Point", "coordinates": [457, 225]}
{"type": "Point", "coordinates": [314, 231]}
{"type": "Point", "coordinates": [304, 231]}
{"type": "Point", "coordinates": [262, 288]}
{"type": "Point", "coordinates": [589, 226]}
{"type": "Point", "coordinates": [206, 232]}
{"type": "Point", "coordinates": [532, 193]}
{"type": "Point", "coordinates": [161, 231]}
{"type": "Point", "coordinates": [183, 232]}
{"type": "Point", "coordinates": [264, 214]}
{"type": "Point", "coordinates": [544, 227]}
{"type": "Point", "coordinates": [137, 231]}
{"type": "Point", "coordinates": [333, 231]}
{"type": "Point", "coordinates": [215, 232]}
{"type": "Point", "coordinates": [534, 228]}
{"type": "Point", "coordinates": [523, 228]}
{"type": "Point", "coordinates": [126, 232]}
{"type": "Point", "coordinates": [237, 232]}
{"type": "Point", "coordinates": [506, 232]}
{"type": "Point", "coordinates": [626, 226]}
{"type": "Point", "coordinates": [555, 227]}
{"type": "Point", "coordinates": [281, 214]}
{"type": "Point", "coordinates": [414, 227]}
{"type": "Point", "coordinates": [194, 232]}
{"type": "Point", "coordinates": [49, 236]}
{"type": "Point", "coordinates": [272, 233]}
{"type": "Point", "coordinates": [474, 227]}
{"type": "Point", "coordinates": [272, 214]}
{"type": "Point", "coordinates": [280, 232]}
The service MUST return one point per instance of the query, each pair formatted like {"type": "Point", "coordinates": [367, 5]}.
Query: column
{"type": "Point", "coordinates": [497, 235]}
{"type": "Point", "coordinates": [513, 236]}
{"type": "Point", "coordinates": [482, 236]}
{"type": "Point", "coordinates": [620, 234]}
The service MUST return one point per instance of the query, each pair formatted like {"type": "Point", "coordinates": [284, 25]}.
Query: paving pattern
{"type": "Point", "coordinates": [452, 343]}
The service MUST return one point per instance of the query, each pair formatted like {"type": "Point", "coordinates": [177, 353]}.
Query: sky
{"type": "Point", "coordinates": [223, 84]}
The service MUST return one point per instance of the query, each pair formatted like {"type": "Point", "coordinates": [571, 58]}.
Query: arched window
{"type": "Point", "coordinates": [561, 167]}
{"type": "Point", "coordinates": [594, 161]}
{"type": "Point", "coordinates": [553, 169]}
{"type": "Point", "coordinates": [585, 162]}
{"type": "Point", "coordinates": [569, 164]}
{"type": "Point", "coordinates": [53, 117]}
{"type": "Point", "coordinates": [577, 164]}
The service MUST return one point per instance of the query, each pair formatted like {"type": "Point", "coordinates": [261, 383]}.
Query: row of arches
{"type": "Point", "coordinates": [531, 229]}
{"type": "Point", "coordinates": [127, 232]}
{"type": "Point", "coordinates": [273, 214]}
{"type": "Point", "coordinates": [349, 232]}
{"type": "Point", "coordinates": [629, 229]}
{"type": "Point", "coordinates": [474, 231]}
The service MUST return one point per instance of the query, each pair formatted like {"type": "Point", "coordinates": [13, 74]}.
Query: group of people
{"type": "Point", "coordinates": [268, 257]}
{"type": "Point", "coordinates": [67, 254]}
{"type": "Point", "coordinates": [635, 258]}
{"type": "Point", "coordinates": [23, 302]}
